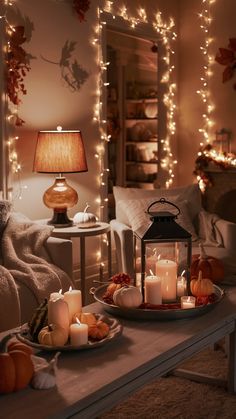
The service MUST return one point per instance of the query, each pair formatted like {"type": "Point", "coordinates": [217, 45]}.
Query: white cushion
{"type": "Point", "coordinates": [208, 231]}
{"type": "Point", "coordinates": [135, 212]}
{"type": "Point", "coordinates": [191, 194]}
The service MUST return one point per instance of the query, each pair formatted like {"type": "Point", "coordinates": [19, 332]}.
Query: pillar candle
{"type": "Point", "coordinates": [78, 334]}
{"type": "Point", "coordinates": [152, 290]}
{"type": "Point", "coordinates": [58, 312]}
{"type": "Point", "coordinates": [188, 301]}
{"type": "Point", "coordinates": [167, 271]}
{"type": "Point", "coordinates": [74, 301]}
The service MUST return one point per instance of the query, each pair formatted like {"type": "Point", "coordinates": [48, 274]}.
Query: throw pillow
{"type": "Point", "coordinates": [208, 231]}
{"type": "Point", "coordinates": [190, 193]}
{"type": "Point", "coordinates": [134, 210]}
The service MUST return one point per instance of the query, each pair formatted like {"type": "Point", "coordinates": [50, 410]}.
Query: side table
{"type": "Point", "coordinates": [82, 233]}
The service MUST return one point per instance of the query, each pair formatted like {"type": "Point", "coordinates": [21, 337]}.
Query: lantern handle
{"type": "Point", "coordinates": [163, 201]}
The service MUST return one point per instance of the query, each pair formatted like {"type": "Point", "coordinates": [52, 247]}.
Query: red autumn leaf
{"type": "Point", "coordinates": [227, 74]}
{"type": "Point", "coordinates": [232, 44]}
{"type": "Point", "coordinates": [224, 56]}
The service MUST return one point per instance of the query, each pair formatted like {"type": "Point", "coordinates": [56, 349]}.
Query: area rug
{"type": "Point", "coordinates": [178, 398]}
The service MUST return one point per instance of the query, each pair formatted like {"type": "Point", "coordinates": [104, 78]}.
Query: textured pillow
{"type": "Point", "coordinates": [191, 194]}
{"type": "Point", "coordinates": [134, 210]}
{"type": "Point", "coordinates": [208, 231]}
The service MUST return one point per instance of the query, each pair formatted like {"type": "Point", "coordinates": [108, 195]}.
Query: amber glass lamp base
{"type": "Point", "coordinates": [59, 197]}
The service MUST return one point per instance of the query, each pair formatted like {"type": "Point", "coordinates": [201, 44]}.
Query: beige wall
{"type": "Point", "coordinates": [49, 102]}
{"type": "Point", "coordinates": [190, 68]}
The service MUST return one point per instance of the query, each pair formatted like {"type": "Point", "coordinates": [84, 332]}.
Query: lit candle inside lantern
{"type": "Point", "coordinates": [58, 311]}
{"type": "Point", "coordinates": [167, 271]}
{"type": "Point", "coordinates": [188, 301]}
{"type": "Point", "coordinates": [181, 285]}
{"type": "Point", "coordinates": [78, 333]}
{"type": "Point", "coordinates": [152, 289]}
{"type": "Point", "coordinates": [74, 301]}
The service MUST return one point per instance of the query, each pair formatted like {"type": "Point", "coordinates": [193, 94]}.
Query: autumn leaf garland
{"type": "Point", "coordinates": [227, 57]}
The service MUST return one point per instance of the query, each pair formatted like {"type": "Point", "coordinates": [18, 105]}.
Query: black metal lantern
{"type": "Point", "coordinates": [165, 254]}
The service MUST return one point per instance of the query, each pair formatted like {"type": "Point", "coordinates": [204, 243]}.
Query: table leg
{"type": "Point", "coordinates": [82, 269]}
{"type": "Point", "coordinates": [109, 253]}
{"type": "Point", "coordinates": [232, 362]}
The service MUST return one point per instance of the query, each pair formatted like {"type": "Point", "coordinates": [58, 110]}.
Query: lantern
{"type": "Point", "coordinates": [165, 255]}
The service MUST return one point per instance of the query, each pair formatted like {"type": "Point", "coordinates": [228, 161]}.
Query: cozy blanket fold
{"type": "Point", "coordinates": [10, 303]}
{"type": "Point", "coordinates": [23, 252]}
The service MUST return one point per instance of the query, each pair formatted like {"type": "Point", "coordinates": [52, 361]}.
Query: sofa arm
{"type": "Point", "coordinates": [60, 251]}
{"type": "Point", "coordinates": [123, 237]}
{"type": "Point", "coordinates": [228, 233]}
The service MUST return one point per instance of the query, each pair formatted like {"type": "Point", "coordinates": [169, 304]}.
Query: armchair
{"type": "Point", "coordinates": [33, 264]}
{"type": "Point", "coordinates": [217, 235]}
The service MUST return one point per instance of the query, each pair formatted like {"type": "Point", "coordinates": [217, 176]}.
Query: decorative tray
{"type": "Point", "coordinates": [115, 331]}
{"type": "Point", "coordinates": [155, 314]}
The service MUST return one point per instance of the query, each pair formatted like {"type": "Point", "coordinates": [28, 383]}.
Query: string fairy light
{"type": "Point", "coordinates": [208, 60]}
{"type": "Point", "coordinates": [167, 34]}
{"type": "Point", "coordinates": [11, 118]}
{"type": "Point", "coordinates": [207, 152]}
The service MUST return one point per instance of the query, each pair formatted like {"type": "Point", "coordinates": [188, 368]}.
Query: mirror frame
{"type": "Point", "coordinates": [164, 34]}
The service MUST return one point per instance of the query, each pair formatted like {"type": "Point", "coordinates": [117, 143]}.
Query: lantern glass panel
{"type": "Point", "coordinates": [163, 249]}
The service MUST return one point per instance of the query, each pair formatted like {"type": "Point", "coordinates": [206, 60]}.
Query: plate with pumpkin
{"type": "Point", "coordinates": [101, 330]}
{"type": "Point", "coordinates": [120, 298]}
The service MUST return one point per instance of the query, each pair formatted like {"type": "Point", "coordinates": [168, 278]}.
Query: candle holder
{"type": "Point", "coordinates": [188, 301]}
{"type": "Point", "coordinates": [171, 244]}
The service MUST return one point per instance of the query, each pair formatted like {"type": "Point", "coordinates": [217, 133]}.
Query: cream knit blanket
{"type": "Point", "coordinates": [24, 257]}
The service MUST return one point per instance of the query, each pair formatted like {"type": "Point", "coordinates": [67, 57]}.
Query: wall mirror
{"type": "Point", "coordinates": [134, 107]}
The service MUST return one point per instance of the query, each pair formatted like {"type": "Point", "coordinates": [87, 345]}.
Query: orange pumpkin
{"type": "Point", "coordinates": [16, 366]}
{"type": "Point", "coordinates": [201, 287]}
{"type": "Point", "coordinates": [210, 266]}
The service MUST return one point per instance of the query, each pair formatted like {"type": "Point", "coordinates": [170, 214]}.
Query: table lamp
{"type": "Point", "coordinates": [60, 152]}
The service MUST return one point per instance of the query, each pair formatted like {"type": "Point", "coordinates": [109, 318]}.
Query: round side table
{"type": "Point", "coordinates": [82, 233]}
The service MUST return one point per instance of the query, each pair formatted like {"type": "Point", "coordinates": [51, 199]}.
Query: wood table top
{"type": "Point", "coordinates": [92, 381]}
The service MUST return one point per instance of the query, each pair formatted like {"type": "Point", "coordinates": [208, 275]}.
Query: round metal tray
{"type": "Point", "coordinates": [150, 314]}
{"type": "Point", "coordinates": [115, 331]}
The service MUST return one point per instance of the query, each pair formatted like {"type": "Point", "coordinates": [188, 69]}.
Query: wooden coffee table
{"type": "Point", "coordinates": [93, 381]}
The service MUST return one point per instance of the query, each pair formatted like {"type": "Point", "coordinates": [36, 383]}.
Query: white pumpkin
{"type": "Point", "coordinates": [85, 219]}
{"type": "Point", "coordinates": [128, 297]}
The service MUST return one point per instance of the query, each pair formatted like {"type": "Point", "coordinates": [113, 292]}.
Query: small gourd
{"type": "Point", "coordinates": [85, 219]}
{"type": "Point", "coordinates": [87, 318]}
{"type": "Point", "coordinates": [201, 287]}
{"type": "Point", "coordinates": [210, 266]}
{"type": "Point", "coordinates": [128, 297]}
{"type": "Point", "coordinates": [16, 366]}
{"type": "Point", "coordinates": [44, 372]}
{"type": "Point", "coordinates": [53, 335]}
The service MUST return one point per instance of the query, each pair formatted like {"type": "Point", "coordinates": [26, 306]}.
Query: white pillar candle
{"type": "Point", "coordinates": [78, 334]}
{"type": "Point", "coordinates": [181, 286]}
{"type": "Point", "coordinates": [74, 301]}
{"type": "Point", "coordinates": [167, 271]}
{"type": "Point", "coordinates": [152, 290]}
{"type": "Point", "coordinates": [58, 312]}
{"type": "Point", "coordinates": [188, 301]}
